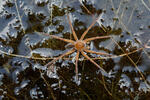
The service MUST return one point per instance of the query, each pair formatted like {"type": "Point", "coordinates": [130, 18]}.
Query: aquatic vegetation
{"type": "Point", "coordinates": [118, 45]}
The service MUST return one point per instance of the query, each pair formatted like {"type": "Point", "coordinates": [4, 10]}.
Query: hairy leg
{"type": "Point", "coordinates": [94, 38]}
{"type": "Point", "coordinates": [65, 54]}
{"type": "Point", "coordinates": [83, 35]}
{"type": "Point", "coordinates": [76, 64]}
{"type": "Point", "coordinates": [59, 38]}
{"type": "Point", "coordinates": [72, 29]}
{"type": "Point", "coordinates": [103, 71]}
{"type": "Point", "coordinates": [99, 53]}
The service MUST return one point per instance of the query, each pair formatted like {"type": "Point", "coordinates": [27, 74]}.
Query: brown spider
{"type": "Point", "coordinates": [79, 45]}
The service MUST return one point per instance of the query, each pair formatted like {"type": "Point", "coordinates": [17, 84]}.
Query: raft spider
{"type": "Point", "coordinates": [79, 46]}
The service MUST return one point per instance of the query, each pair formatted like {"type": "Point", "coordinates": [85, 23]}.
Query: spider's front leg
{"type": "Point", "coordinates": [72, 29]}
{"type": "Point", "coordinates": [59, 38]}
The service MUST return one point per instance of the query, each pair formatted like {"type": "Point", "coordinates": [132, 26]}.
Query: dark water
{"type": "Point", "coordinates": [24, 50]}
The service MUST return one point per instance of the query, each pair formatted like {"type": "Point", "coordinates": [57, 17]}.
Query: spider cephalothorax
{"type": "Point", "coordinates": [79, 46]}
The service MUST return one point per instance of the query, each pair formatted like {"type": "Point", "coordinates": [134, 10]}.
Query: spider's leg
{"type": "Point", "coordinates": [102, 70]}
{"type": "Point", "coordinates": [59, 38]}
{"type": "Point", "coordinates": [83, 35]}
{"type": "Point", "coordinates": [86, 8]}
{"type": "Point", "coordinates": [65, 54]}
{"type": "Point", "coordinates": [112, 56]}
{"type": "Point", "coordinates": [76, 64]}
{"type": "Point", "coordinates": [94, 38]}
{"type": "Point", "coordinates": [99, 53]}
{"type": "Point", "coordinates": [72, 29]}
{"type": "Point", "coordinates": [92, 15]}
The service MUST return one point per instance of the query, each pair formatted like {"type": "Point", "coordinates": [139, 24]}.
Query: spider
{"type": "Point", "coordinates": [79, 46]}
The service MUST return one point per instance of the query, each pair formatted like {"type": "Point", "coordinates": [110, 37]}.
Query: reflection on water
{"type": "Point", "coordinates": [24, 50]}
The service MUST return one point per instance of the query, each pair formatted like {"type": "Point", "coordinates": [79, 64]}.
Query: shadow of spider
{"type": "Point", "coordinates": [79, 46]}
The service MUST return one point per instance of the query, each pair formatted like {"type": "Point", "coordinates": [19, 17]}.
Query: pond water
{"type": "Point", "coordinates": [27, 46]}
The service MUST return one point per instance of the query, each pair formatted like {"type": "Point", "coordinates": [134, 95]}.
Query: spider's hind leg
{"type": "Point", "coordinates": [76, 64]}
{"type": "Point", "coordinates": [102, 70]}
{"type": "Point", "coordinates": [59, 57]}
